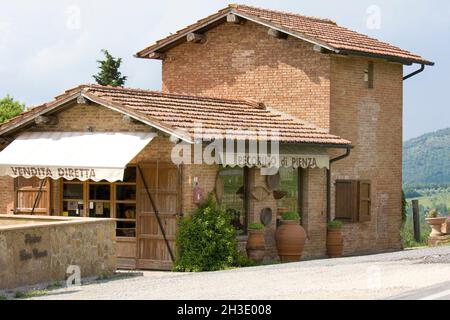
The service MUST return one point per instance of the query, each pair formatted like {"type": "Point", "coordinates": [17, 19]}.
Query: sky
{"type": "Point", "coordinates": [49, 46]}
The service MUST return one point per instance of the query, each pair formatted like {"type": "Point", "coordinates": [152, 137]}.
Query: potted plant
{"type": "Point", "coordinates": [256, 243]}
{"type": "Point", "coordinates": [335, 241]}
{"type": "Point", "coordinates": [290, 237]}
{"type": "Point", "coordinates": [435, 222]}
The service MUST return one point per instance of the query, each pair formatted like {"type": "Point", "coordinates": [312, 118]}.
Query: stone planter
{"type": "Point", "coordinates": [256, 245]}
{"type": "Point", "coordinates": [335, 242]}
{"type": "Point", "coordinates": [290, 239]}
{"type": "Point", "coordinates": [436, 226]}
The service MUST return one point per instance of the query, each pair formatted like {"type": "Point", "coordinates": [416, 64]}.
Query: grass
{"type": "Point", "coordinates": [54, 285]}
{"type": "Point", "coordinates": [433, 198]}
{"type": "Point", "coordinates": [3, 297]}
{"type": "Point", "coordinates": [30, 294]}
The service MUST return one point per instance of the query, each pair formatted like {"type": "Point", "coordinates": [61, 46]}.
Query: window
{"type": "Point", "coordinates": [99, 200]}
{"type": "Point", "coordinates": [368, 75]}
{"type": "Point", "coordinates": [103, 200]}
{"type": "Point", "coordinates": [73, 199]}
{"type": "Point", "coordinates": [353, 200]}
{"type": "Point", "coordinates": [234, 199]}
{"type": "Point", "coordinates": [289, 193]}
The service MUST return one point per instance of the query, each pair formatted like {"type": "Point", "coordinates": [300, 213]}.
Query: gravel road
{"type": "Point", "coordinates": [364, 277]}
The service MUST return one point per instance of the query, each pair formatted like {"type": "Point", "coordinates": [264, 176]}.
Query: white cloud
{"type": "Point", "coordinates": [61, 55]}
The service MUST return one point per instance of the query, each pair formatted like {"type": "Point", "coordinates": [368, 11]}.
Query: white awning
{"type": "Point", "coordinates": [72, 155]}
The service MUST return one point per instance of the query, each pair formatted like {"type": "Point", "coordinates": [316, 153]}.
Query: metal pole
{"type": "Point", "coordinates": [156, 214]}
{"type": "Point", "coordinates": [416, 219]}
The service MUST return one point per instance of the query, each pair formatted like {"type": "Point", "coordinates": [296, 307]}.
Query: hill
{"type": "Point", "coordinates": [426, 159]}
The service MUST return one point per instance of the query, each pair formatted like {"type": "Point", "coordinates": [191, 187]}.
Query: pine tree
{"type": "Point", "coordinates": [10, 108]}
{"type": "Point", "coordinates": [109, 73]}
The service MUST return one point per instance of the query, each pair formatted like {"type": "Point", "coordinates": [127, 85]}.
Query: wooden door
{"type": "Point", "coordinates": [27, 195]}
{"type": "Point", "coordinates": [163, 181]}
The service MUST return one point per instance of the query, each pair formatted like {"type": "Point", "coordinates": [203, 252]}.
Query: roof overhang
{"type": "Point", "coordinates": [216, 19]}
{"type": "Point", "coordinates": [68, 102]}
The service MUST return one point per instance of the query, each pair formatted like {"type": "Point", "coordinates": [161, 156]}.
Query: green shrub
{"type": "Point", "coordinates": [256, 226]}
{"type": "Point", "coordinates": [30, 294]}
{"type": "Point", "coordinates": [244, 261]}
{"type": "Point", "coordinates": [335, 224]}
{"type": "Point", "coordinates": [291, 215]}
{"type": "Point", "coordinates": [206, 241]}
{"type": "Point", "coordinates": [433, 213]}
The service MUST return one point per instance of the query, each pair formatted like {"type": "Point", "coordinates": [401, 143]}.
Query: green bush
{"type": "Point", "coordinates": [256, 226]}
{"type": "Point", "coordinates": [292, 215]}
{"type": "Point", "coordinates": [244, 261]}
{"type": "Point", "coordinates": [335, 224]}
{"type": "Point", "coordinates": [432, 213]}
{"type": "Point", "coordinates": [206, 241]}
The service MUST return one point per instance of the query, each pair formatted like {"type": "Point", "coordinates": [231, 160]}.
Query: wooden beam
{"type": "Point", "coordinates": [81, 100]}
{"type": "Point", "coordinates": [157, 55]}
{"type": "Point", "coordinates": [232, 18]}
{"type": "Point", "coordinates": [196, 37]}
{"type": "Point", "coordinates": [43, 120]}
{"type": "Point", "coordinates": [276, 34]}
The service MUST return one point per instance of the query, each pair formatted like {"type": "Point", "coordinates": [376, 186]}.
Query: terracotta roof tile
{"type": "Point", "coordinates": [323, 31]}
{"type": "Point", "coordinates": [175, 112]}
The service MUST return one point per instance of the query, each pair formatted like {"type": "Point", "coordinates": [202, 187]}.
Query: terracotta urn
{"type": "Point", "coordinates": [335, 242]}
{"type": "Point", "coordinates": [256, 245]}
{"type": "Point", "coordinates": [436, 226]}
{"type": "Point", "coordinates": [290, 238]}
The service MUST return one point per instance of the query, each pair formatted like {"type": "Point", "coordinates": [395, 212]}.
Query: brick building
{"type": "Point", "coordinates": [333, 96]}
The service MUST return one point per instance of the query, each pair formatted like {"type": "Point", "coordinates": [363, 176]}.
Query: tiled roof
{"type": "Point", "coordinates": [320, 31]}
{"type": "Point", "coordinates": [174, 112]}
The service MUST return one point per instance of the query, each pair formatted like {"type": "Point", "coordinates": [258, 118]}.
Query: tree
{"type": "Point", "coordinates": [109, 74]}
{"type": "Point", "coordinates": [10, 108]}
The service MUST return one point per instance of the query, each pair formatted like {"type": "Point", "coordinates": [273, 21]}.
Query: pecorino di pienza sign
{"type": "Point", "coordinates": [281, 160]}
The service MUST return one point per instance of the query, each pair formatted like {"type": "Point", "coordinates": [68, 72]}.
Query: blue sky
{"type": "Point", "coordinates": [49, 46]}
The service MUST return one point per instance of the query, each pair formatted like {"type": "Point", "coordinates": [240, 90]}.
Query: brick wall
{"type": "Point", "coordinates": [372, 120]}
{"type": "Point", "coordinates": [6, 195]}
{"type": "Point", "coordinates": [243, 61]}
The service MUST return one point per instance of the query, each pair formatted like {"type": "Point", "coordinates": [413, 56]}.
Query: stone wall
{"type": "Point", "coordinates": [42, 251]}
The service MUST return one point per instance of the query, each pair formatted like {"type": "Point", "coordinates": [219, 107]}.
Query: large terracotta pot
{"type": "Point", "coordinates": [290, 238]}
{"type": "Point", "coordinates": [436, 226]}
{"type": "Point", "coordinates": [335, 242]}
{"type": "Point", "coordinates": [256, 245]}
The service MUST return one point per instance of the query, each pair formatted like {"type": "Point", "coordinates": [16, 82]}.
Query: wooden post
{"type": "Point", "coordinates": [416, 219]}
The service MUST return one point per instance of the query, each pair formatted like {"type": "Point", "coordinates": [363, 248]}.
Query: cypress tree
{"type": "Point", "coordinates": [109, 73]}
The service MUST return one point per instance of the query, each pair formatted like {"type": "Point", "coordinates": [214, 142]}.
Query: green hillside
{"type": "Point", "coordinates": [426, 159]}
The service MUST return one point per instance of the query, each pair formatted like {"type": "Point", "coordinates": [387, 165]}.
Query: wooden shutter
{"type": "Point", "coordinates": [346, 200]}
{"type": "Point", "coordinates": [27, 195]}
{"type": "Point", "coordinates": [364, 201]}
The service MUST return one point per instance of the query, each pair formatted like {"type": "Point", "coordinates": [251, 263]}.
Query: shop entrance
{"type": "Point", "coordinates": [163, 182]}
